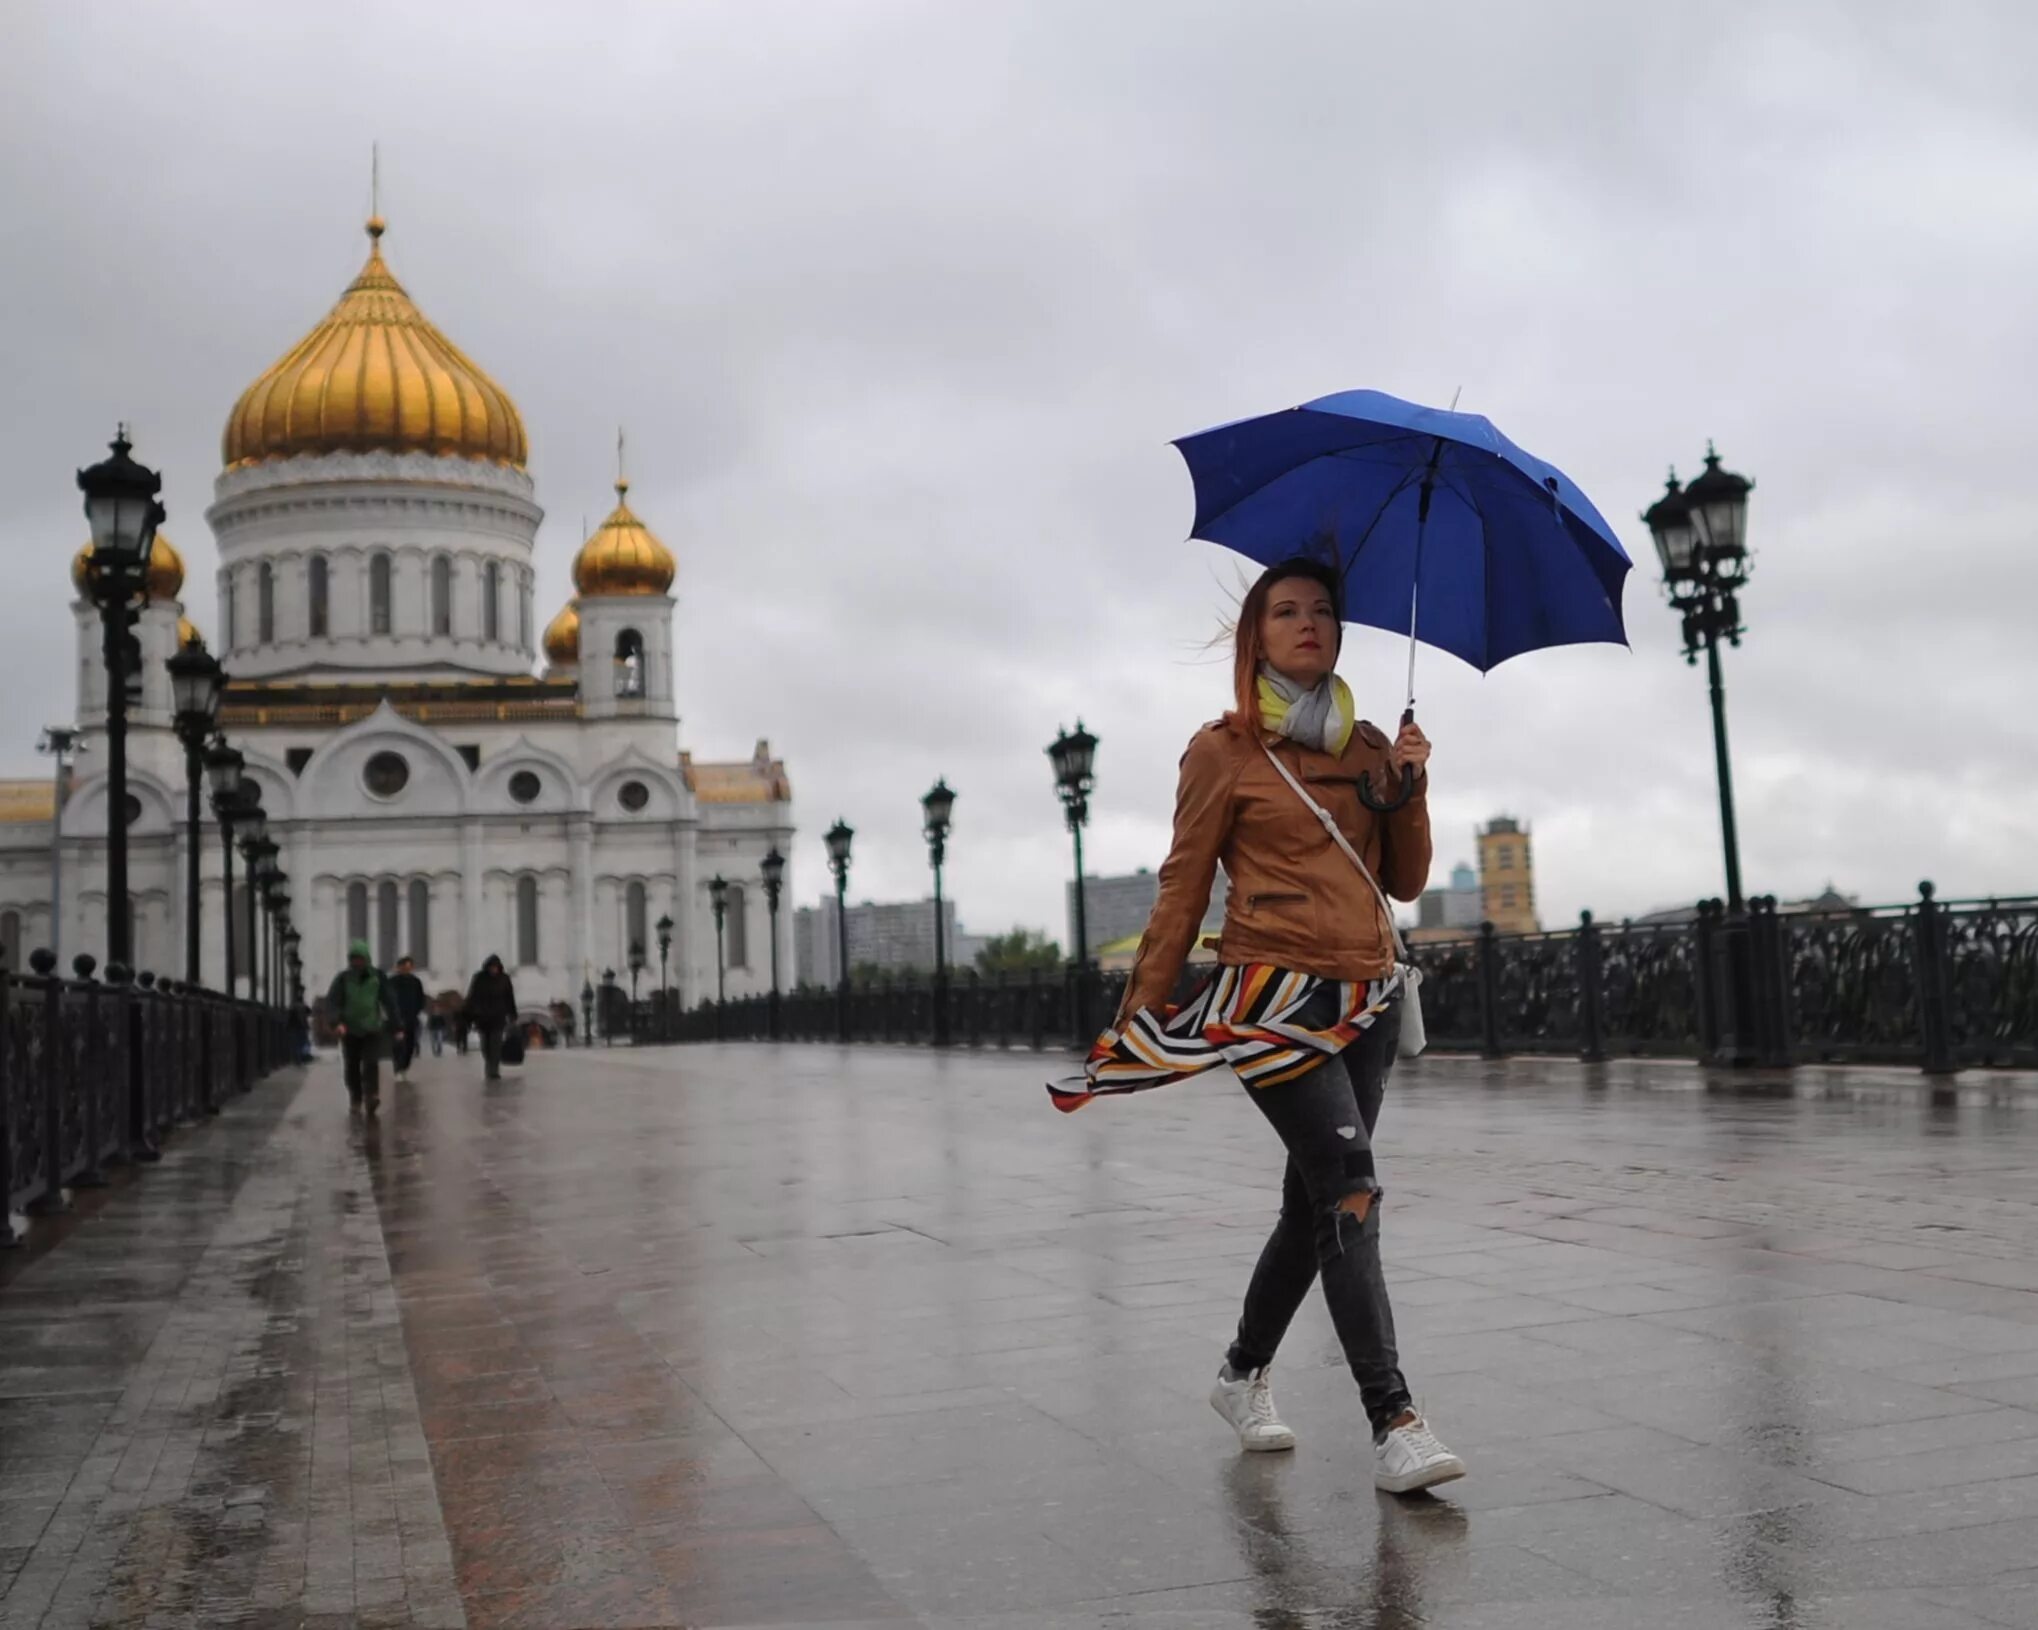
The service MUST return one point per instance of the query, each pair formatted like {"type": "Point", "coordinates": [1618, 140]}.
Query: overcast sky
{"type": "Point", "coordinates": [902, 304]}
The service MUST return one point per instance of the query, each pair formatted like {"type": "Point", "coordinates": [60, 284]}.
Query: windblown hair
{"type": "Point", "coordinates": [1249, 648]}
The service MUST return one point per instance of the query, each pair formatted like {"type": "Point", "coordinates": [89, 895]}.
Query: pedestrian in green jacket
{"type": "Point", "coordinates": [363, 1014]}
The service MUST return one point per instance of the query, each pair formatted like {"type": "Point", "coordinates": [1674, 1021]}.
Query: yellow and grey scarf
{"type": "Point", "coordinates": [1321, 717]}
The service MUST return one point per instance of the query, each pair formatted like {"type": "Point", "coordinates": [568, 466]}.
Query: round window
{"type": "Point", "coordinates": [387, 774]}
{"type": "Point", "coordinates": [633, 796]}
{"type": "Point", "coordinates": [525, 786]}
{"type": "Point", "coordinates": [133, 807]}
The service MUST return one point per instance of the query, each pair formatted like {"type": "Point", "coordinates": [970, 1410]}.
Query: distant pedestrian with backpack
{"type": "Point", "coordinates": [407, 994]}
{"type": "Point", "coordinates": [363, 1014]}
{"type": "Point", "coordinates": [491, 1008]}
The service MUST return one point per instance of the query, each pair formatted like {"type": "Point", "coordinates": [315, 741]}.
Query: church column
{"type": "Point", "coordinates": [470, 898]}
{"type": "Point", "coordinates": [684, 937]}
{"type": "Point", "coordinates": [580, 909]}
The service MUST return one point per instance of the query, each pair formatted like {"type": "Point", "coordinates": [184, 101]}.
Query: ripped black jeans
{"type": "Point", "coordinates": [1326, 1119]}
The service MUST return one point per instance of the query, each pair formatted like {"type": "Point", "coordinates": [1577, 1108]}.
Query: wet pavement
{"type": "Point", "coordinates": [800, 1336]}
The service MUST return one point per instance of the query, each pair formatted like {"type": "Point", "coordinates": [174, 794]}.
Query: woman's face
{"type": "Point", "coordinates": [1299, 630]}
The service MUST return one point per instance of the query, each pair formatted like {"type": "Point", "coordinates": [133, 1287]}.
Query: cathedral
{"type": "Point", "coordinates": [431, 793]}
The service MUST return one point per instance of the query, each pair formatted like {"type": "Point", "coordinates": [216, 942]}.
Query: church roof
{"type": "Point", "coordinates": [762, 780]}
{"type": "Point", "coordinates": [255, 703]}
{"type": "Point", "coordinates": [23, 801]}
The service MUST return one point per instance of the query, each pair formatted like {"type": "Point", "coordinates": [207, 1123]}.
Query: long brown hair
{"type": "Point", "coordinates": [1249, 646]}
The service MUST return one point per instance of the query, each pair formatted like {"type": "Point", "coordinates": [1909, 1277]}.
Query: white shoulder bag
{"type": "Point", "coordinates": [1413, 1037]}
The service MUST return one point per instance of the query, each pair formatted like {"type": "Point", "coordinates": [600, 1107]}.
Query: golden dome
{"type": "Point", "coordinates": [374, 376]}
{"type": "Point", "coordinates": [165, 574]}
{"type": "Point", "coordinates": [622, 557]}
{"type": "Point", "coordinates": [562, 637]}
{"type": "Point", "coordinates": [187, 634]}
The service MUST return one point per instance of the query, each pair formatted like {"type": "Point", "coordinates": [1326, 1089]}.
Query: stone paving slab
{"type": "Point", "coordinates": [806, 1336]}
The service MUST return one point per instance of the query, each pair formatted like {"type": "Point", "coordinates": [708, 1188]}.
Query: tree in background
{"type": "Point", "coordinates": [1021, 951]}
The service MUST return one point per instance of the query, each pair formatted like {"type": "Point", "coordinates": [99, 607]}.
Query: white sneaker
{"type": "Point", "coordinates": [1411, 1458]}
{"type": "Point", "coordinates": [402, 1080]}
{"type": "Point", "coordinates": [1248, 1404]}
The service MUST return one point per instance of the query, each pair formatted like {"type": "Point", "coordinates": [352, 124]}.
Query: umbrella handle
{"type": "Point", "coordinates": [1387, 805]}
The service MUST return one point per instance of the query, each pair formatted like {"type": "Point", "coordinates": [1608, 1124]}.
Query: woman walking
{"type": "Point", "coordinates": [1305, 1005]}
{"type": "Point", "coordinates": [491, 1006]}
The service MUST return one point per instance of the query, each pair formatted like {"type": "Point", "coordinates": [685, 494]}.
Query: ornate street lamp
{"type": "Point", "coordinates": [636, 968]}
{"type": "Point", "coordinates": [773, 868]}
{"type": "Point", "coordinates": [120, 502]}
{"type": "Point", "coordinates": [937, 806]}
{"type": "Point", "coordinates": [1701, 537]}
{"type": "Point", "coordinates": [251, 821]}
{"type": "Point", "coordinates": [838, 841]}
{"type": "Point", "coordinates": [664, 927]}
{"type": "Point", "coordinates": [608, 1007]}
{"type": "Point", "coordinates": [718, 897]}
{"type": "Point", "coordinates": [1073, 757]}
{"type": "Point", "coordinates": [223, 770]}
{"type": "Point", "coordinates": [196, 684]}
{"type": "Point", "coordinates": [586, 1013]}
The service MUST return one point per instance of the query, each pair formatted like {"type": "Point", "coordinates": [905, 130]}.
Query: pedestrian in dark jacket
{"type": "Point", "coordinates": [491, 1008]}
{"type": "Point", "coordinates": [362, 1015]}
{"type": "Point", "coordinates": [407, 995]}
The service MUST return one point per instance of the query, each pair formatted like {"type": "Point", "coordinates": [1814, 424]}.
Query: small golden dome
{"type": "Point", "coordinates": [187, 634]}
{"type": "Point", "coordinates": [374, 376]}
{"type": "Point", "coordinates": [622, 557]}
{"type": "Point", "coordinates": [562, 637]}
{"type": "Point", "coordinates": [165, 574]}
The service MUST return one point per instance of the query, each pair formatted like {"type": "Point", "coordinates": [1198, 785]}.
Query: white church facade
{"type": "Point", "coordinates": [431, 792]}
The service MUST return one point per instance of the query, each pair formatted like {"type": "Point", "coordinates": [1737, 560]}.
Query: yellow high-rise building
{"type": "Point", "coordinates": [1507, 876]}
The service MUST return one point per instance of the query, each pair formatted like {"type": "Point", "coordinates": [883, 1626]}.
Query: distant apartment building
{"type": "Point", "coordinates": [1116, 908]}
{"type": "Point", "coordinates": [1507, 876]}
{"type": "Point", "coordinates": [895, 936]}
{"type": "Point", "coordinates": [1449, 912]}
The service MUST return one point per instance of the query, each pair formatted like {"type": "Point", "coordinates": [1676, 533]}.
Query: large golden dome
{"type": "Point", "coordinates": [562, 637]}
{"type": "Point", "coordinates": [374, 376]}
{"type": "Point", "coordinates": [165, 576]}
{"type": "Point", "coordinates": [622, 557]}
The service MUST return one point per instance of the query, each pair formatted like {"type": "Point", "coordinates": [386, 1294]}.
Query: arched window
{"type": "Point", "coordinates": [10, 941]}
{"type": "Point", "coordinates": [524, 615]}
{"type": "Point", "coordinates": [387, 924]}
{"type": "Point", "coordinates": [265, 601]}
{"type": "Point", "coordinates": [442, 594]}
{"type": "Point", "coordinates": [635, 916]}
{"type": "Point", "coordinates": [357, 913]}
{"type": "Point", "coordinates": [378, 595]}
{"type": "Point", "coordinates": [321, 587]}
{"type": "Point", "coordinates": [238, 927]}
{"type": "Point", "coordinates": [736, 927]}
{"type": "Point", "coordinates": [229, 607]}
{"type": "Point", "coordinates": [491, 602]}
{"type": "Point", "coordinates": [527, 922]}
{"type": "Point", "coordinates": [421, 921]}
{"type": "Point", "coordinates": [629, 663]}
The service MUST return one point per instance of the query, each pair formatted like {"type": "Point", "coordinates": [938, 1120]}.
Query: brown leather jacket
{"type": "Point", "coordinates": [1295, 901]}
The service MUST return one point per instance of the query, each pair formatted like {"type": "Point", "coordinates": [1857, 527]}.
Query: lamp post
{"type": "Point", "coordinates": [196, 681]}
{"type": "Point", "coordinates": [718, 897]}
{"type": "Point", "coordinates": [1700, 532]}
{"type": "Point", "coordinates": [1072, 757]}
{"type": "Point", "coordinates": [608, 1007]}
{"type": "Point", "coordinates": [838, 841]}
{"type": "Point", "coordinates": [636, 968]}
{"type": "Point", "coordinates": [937, 806]}
{"type": "Point", "coordinates": [664, 928]}
{"type": "Point", "coordinates": [1701, 536]}
{"type": "Point", "coordinates": [223, 770]}
{"type": "Point", "coordinates": [255, 850]}
{"type": "Point", "coordinates": [120, 502]}
{"type": "Point", "coordinates": [587, 1013]}
{"type": "Point", "coordinates": [773, 868]}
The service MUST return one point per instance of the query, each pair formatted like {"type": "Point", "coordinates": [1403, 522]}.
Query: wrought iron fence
{"type": "Point", "coordinates": [96, 1072]}
{"type": "Point", "coordinates": [1930, 983]}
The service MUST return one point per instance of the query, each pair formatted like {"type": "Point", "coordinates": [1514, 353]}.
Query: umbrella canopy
{"type": "Point", "coordinates": [1438, 522]}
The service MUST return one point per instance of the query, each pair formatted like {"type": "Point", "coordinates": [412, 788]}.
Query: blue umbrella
{"type": "Point", "coordinates": [1438, 523]}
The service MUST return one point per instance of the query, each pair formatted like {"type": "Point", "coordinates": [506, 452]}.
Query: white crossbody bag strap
{"type": "Point", "coordinates": [1413, 1036]}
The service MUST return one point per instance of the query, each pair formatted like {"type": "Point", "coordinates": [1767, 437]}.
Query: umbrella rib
{"type": "Point", "coordinates": [1366, 536]}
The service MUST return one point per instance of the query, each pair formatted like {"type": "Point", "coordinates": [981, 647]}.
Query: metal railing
{"type": "Point", "coordinates": [1934, 984]}
{"type": "Point", "coordinates": [96, 1072]}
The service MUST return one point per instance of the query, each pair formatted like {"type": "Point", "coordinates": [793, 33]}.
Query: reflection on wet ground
{"type": "Point", "coordinates": [786, 1337]}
